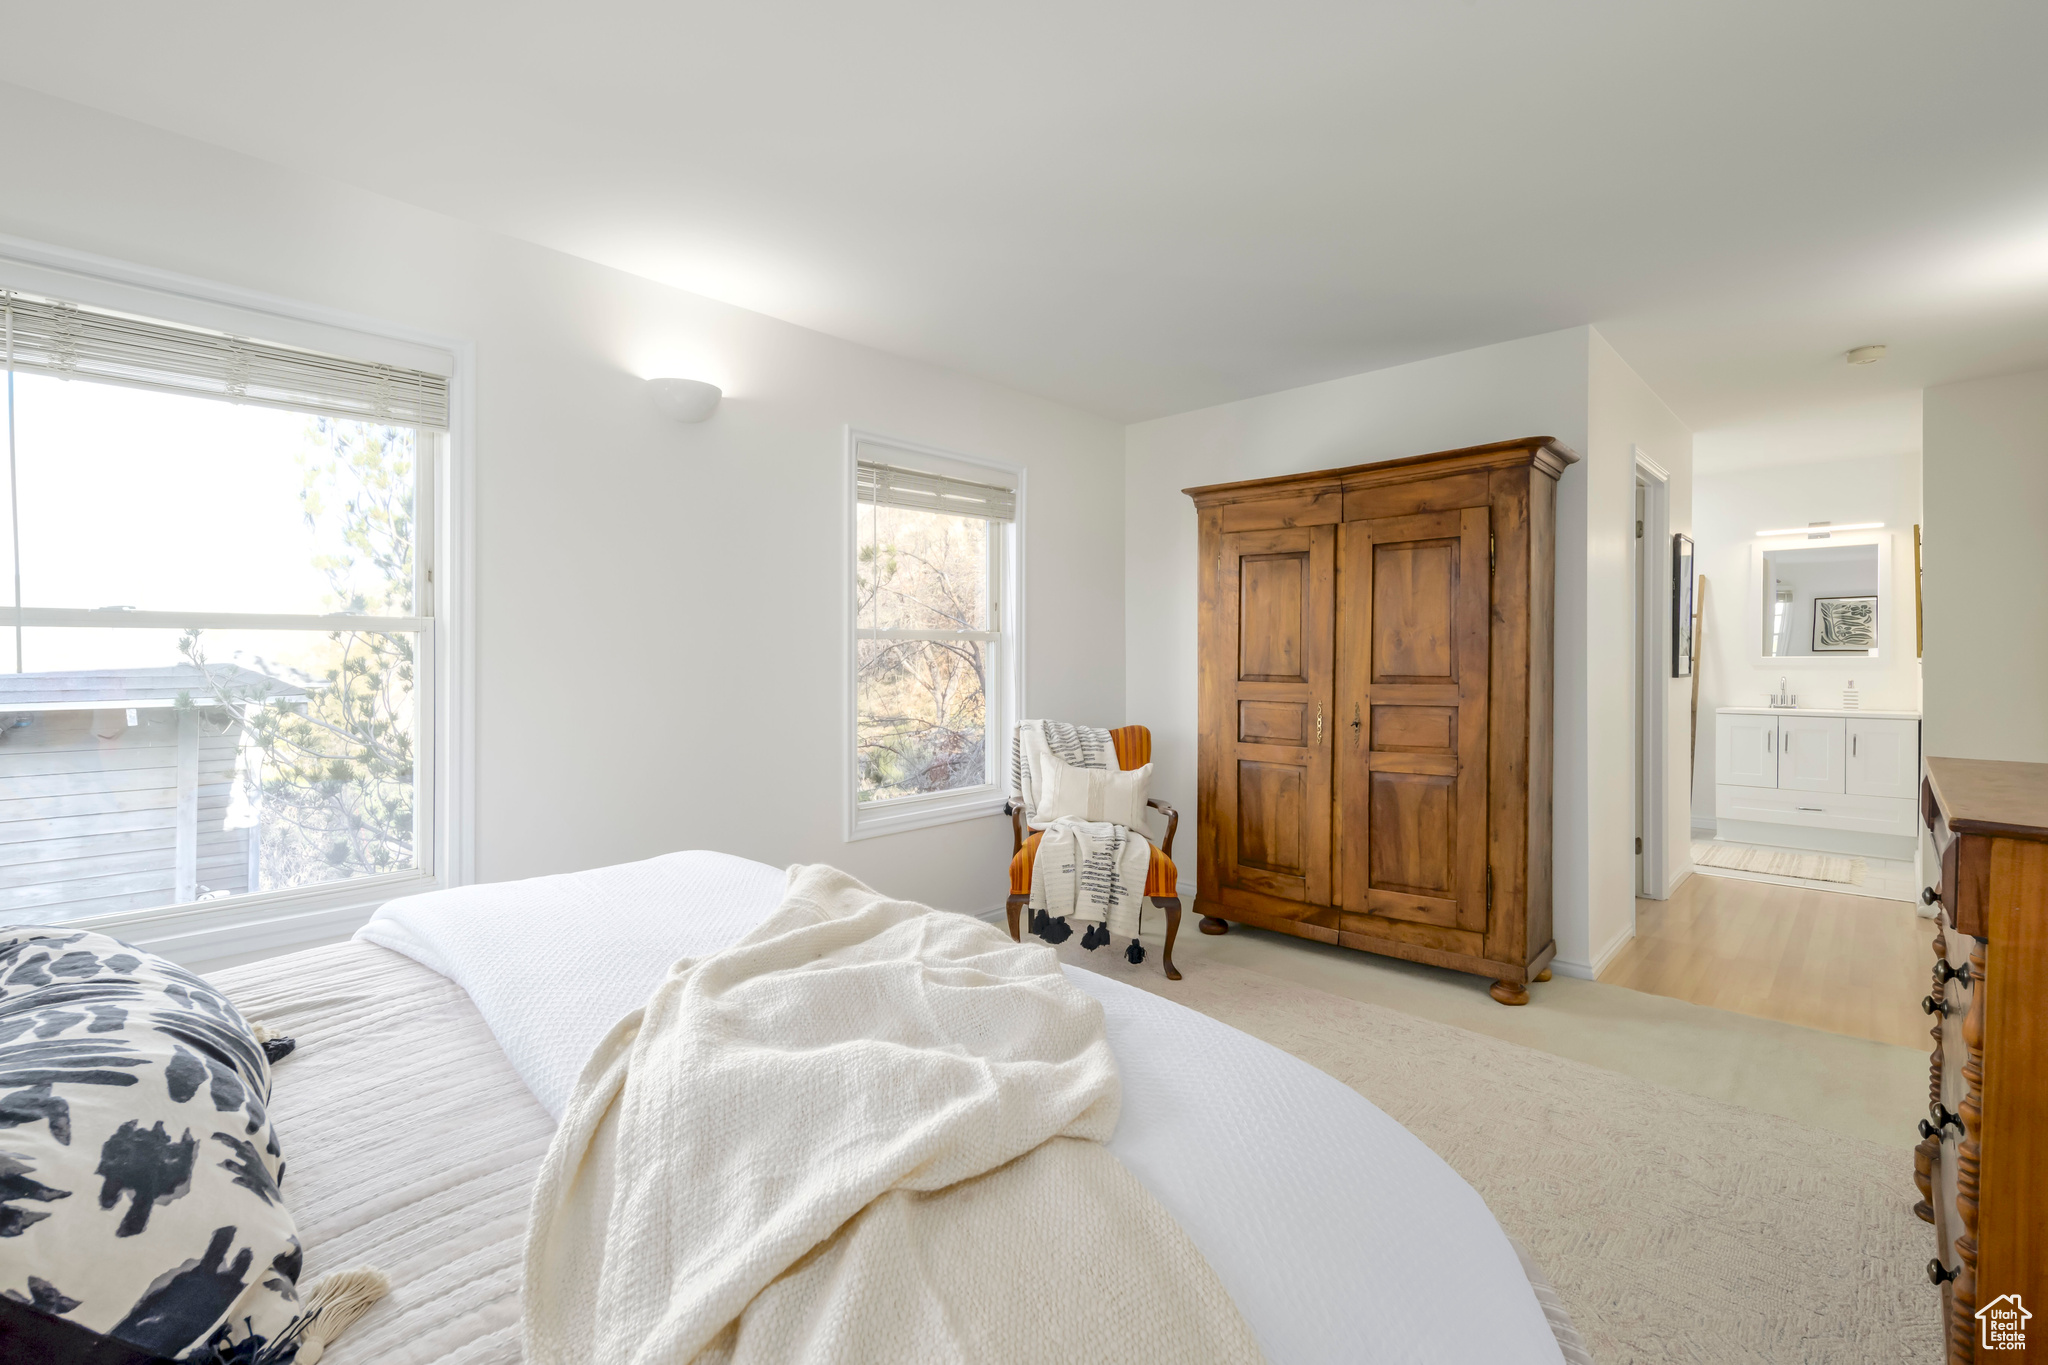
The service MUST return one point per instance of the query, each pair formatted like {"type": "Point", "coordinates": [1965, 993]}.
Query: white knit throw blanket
{"type": "Point", "coordinates": [1091, 871]}
{"type": "Point", "coordinates": [868, 1131]}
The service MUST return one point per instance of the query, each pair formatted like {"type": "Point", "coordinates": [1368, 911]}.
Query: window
{"type": "Point", "coordinates": [934, 656]}
{"type": "Point", "coordinates": [220, 617]}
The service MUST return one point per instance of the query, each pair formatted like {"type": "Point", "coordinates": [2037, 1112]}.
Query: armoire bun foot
{"type": "Point", "coordinates": [1212, 925]}
{"type": "Point", "coordinates": [1543, 975]}
{"type": "Point", "coordinates": [1510, 993]}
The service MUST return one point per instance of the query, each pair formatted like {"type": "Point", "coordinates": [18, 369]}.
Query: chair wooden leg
{"type": "Point", "coordinates": [1015, 909]}
{"type": "Point", "coordinates": [1171, 905]}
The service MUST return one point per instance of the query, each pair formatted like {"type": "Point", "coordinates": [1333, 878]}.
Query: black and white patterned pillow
{"type": "Point", "coordinates": [139, 1169]}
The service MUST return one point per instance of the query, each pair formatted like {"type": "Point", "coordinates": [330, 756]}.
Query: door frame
{"type": "Point", "coordinates": [1652, 596]}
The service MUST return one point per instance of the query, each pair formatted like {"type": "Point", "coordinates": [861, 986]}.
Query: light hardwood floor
{"type": "Point", "coordinates": [1847, 964]}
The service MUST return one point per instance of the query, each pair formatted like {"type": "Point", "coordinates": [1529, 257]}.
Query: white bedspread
{"type": "Point", "coordinates": [1337, 1233]}
{"type": "Point", "coordinates": [592, 945]}
{"type": "Point", "coordinates": [837, 1140]}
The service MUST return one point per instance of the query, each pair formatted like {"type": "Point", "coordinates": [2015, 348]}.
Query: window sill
{"type": "Point", "coordinates": [906, 814]}
{"type": "Point", "coordinates": [194, 934]}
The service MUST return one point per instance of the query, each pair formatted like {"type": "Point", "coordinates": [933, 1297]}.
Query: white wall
{"type": "Point", "coordinates": [1730, 508]}
{"type": "Point", "coordinates": [1535, 386]}
{"type": "Point", "coordinates": [623, 570]}
{"type": "Point", "coordinates": [1986, 583]}
{"type": "Point", "coordinates": [1625, 416]}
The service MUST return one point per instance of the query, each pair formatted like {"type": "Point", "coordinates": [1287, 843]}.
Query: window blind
{"type": "Point", "coordinates": [888, 485]}
{"type": "Point", "coordinates": [70, 341]}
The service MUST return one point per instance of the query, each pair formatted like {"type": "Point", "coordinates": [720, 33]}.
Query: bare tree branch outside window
{"type": "Point", "coordinates": [922, 704]}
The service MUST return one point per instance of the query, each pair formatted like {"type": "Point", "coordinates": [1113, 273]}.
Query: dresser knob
{"type": "Point", "coordinates": [1932, 1006]}
{"type": "Point", "coordinates": [1928, 895]}
{"type": "Point", "coordinates": [1938, 1119]}
{"type": "Point", "coordinates": [1945, 973]}
{"type": "Point", "coordinates": [1937, 1273]}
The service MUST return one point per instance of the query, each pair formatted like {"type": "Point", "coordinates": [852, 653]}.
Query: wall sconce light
{"type": "Point", "coordinates": [1821, 530]}
{"type": "Point", "coordinates": [686, 400]}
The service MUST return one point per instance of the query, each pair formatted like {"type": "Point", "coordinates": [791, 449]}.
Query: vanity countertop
{"type": "Point", "coordinates": [1812, 711]}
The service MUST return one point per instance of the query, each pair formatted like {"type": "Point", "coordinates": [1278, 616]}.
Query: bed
{"type": "Point", "coordinates": [412, 1137]}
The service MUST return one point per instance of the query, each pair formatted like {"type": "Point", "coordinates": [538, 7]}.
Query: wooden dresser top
{"type": "Point", "coordinates": [1986, 796]}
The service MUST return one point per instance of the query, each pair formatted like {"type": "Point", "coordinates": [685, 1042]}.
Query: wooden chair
{"type": "Point", "coordinates": [1162, 879]}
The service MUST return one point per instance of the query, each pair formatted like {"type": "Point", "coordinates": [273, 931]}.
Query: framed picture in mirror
{"type": "Point", "coordinates": [1844, 625]}
{"type": "Point", "coordinates": [1681, 606]}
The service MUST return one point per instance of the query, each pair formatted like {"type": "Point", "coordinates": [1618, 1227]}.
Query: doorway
{"type": "Point", "coordinates": [1650, 632]}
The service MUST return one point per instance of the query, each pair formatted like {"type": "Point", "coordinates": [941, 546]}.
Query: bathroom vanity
{"type": "Point", "coordinates": [1839, 781]}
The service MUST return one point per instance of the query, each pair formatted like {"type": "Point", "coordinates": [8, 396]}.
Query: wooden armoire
{"type": "Point", "coordinates": [1376, 657]}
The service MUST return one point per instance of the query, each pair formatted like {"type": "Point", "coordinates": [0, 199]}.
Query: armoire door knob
{"type": "Point", "coordinates": [1937, 1273]}
{"type": "Point", "coordinates": [1932, 1006]}
{"type": "Point", "coordinates": [1945, 973]}
{"type": "Point", "coordinates": [1928, 895]}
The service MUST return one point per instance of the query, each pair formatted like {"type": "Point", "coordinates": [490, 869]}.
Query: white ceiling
{"type": "Point", "coordinates": [1881, 424]}
{"type": "Point", "coordinates": [1146, 207]}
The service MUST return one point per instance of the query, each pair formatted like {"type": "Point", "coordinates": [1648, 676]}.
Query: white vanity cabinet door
{"type": "Point", "coordinates": [1884, 757]}
{"type": "Point", "coordinates": [1747, 751]}
{"type": "Point", "coordinates": [1813, 753]}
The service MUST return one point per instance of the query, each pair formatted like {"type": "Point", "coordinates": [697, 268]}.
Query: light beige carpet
{"type": "Point", "coordinates": [1779, 862]}
{"type": "Point", "coordinates": [1677, 1228]}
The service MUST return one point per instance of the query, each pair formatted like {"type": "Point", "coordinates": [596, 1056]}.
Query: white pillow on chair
{"type": "Point", "coordinates": [1094, 794]}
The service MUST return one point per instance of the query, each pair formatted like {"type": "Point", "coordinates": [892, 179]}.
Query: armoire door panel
{"type": "Point", "coordinates": [1415, 835]}
{"type": "Point", "coordinates": [1277, 592]}
{"type": "Point", "coordinates": [1272, 722]}
{"type": "Point", "coordinates": [1414, 627]}
{"type": "Point", "coordinates": [1272, 801]}
{"type": "Point", "coordinates": [1412, 659]}
{"type": "Point", "coordinates": [1273, 625]}
{"type": "Point", "coordinates": [1415, 729]}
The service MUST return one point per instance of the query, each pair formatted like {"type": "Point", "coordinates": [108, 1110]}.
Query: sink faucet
{"type": "Point", "coordinates": [1783, 698]}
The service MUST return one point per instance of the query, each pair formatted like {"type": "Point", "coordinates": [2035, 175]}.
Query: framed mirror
{"type": "Point", "coordinates": [1821, 601]}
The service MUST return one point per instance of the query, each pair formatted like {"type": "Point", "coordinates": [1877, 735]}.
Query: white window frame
{"type": "Point", "coordinates": [275, 921]}
{"type": "Point", "coordinates": [869, 820]}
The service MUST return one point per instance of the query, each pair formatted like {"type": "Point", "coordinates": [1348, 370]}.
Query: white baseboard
{"type": "Point", "coordinates": [1590, 971]}
{"type": "Point", "coordinates": [1679, 876]}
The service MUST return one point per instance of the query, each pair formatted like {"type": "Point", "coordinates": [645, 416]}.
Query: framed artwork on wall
{"type": "Point", "coordinates": [1844, 625]}
{"type": "Point", "coordinates": [1681, 606]}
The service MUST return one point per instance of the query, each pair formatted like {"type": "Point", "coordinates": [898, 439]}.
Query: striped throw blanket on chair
{"type": "Point", "coordinates": [1086, 870]}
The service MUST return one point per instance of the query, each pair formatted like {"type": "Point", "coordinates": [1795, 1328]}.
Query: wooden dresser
{"type": "Point", "coordinates": [1375, 677]}
{"type": "Point", "coordinates": [1982, 1162]}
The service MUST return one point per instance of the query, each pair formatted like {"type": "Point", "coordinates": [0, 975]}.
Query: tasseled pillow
{"type": "Point", "coordinates": [140, 1200]}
